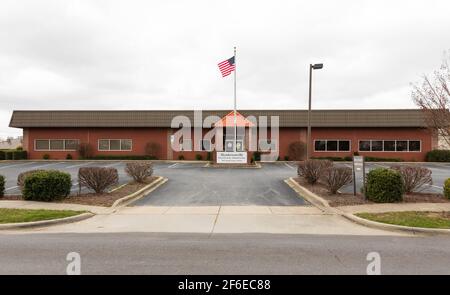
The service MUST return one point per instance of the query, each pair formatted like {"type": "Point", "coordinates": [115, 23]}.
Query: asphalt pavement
{"type": "Point", "coordinates": [146, 253]}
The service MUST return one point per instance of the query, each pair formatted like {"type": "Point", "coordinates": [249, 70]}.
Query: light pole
{"type": "Point", "coordinates": [308, 143]}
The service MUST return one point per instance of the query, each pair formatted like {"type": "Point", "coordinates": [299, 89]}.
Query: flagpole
{"type": "Point", "coordinates": [235, 119]}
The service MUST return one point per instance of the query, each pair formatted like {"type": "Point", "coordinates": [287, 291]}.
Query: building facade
{"type": "Point", "coordinates": [335, 133]}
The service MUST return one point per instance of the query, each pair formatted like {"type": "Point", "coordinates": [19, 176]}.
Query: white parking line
{"type": "Point", "coordinates": [49, 164]}
{"type": "Point", "coordinates": [78, 165]}
{"type": "Point", "coordinates": [15, 165]}
{"type": "Point", "coordinates": [173, 165]}
{"type": "Point", "coordinates": [10, 188]}
{"type": "Point", "coordinates": [289, 166]}
{"type": "Point", "coordinates": [112, 165]}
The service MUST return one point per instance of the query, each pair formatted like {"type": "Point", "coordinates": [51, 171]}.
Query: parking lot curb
{"type": "Point", "coordinates": [41, 223]}
{"type": "Point", "coordinates": [323, 204]}
{"type": "Point", "coordinates": [394, 227]}
{"type": "Point", "coordinates": [139, 194]}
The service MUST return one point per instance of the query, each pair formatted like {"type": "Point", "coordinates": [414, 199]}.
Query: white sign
{"type": "Point", "coordinates": [232, 158]}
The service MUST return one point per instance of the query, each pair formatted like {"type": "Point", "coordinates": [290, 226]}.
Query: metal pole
{"type": "Point", "coordinates": [235, 119]}
{"type": "Point", "coordinates": [308, 143]}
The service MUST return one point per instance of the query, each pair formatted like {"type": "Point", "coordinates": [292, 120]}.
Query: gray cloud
{"type": "Point", "coordinates": [163, 54]}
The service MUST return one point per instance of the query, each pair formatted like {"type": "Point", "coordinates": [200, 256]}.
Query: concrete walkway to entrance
{"type": "Point", "coordinates": [217, 219]}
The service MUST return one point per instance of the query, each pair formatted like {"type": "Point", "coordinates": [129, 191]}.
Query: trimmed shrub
{"type": "Point", "coordinates": [384, 186]}
{"type": "Point", "coordinates": [97, 179]}
{"type": "Point", "coordinates": [286, 158]}
{"type": "Point", "coordinates": [312, 170]}
{"type": "Point", "coordinates": [2, 186]}
{"type": "Point", "coordinates": [23, 175]}
{"type": "Point", "coordinates": [336, 177]}
{"type": "Point", "coordinates": [15, 155]}
{"type": "Point", "coordinates": [414, 177]}
{"type": "Point", "coordinates": [377, 159]}
{"type": "Point", "coordinates": [438, 156]}
{"type": "Point", "coordinates": [296, 151]}
{"type": "Point", "coordinates": [209, 156]}
{"type": "Point", "coordinates": [256, 156]}
{"type": "Point", "coordinates": [447, 188]}
{"type": "Point", "coordinates": [198, 157]}
{"type": "Point", "coordinates": [69, 157]}
{"type": "Point", "coordinates": [47, 186]}
{"type": "Point", "coordinates": [180, 157]}
{"type": "Point", "coordinates": [334, 159]}
{"type": "Point", "coordinates": [45, 156]}
{"type": "Point", "coordinates": [2, 155]}
{"type": "Point", "coordinates": [19, 148]}
{"type": "Point", "coordinates": [139, 171]}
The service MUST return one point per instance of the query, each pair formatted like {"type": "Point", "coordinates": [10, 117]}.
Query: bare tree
{"type": "Point", "coordinates": [432, 95]}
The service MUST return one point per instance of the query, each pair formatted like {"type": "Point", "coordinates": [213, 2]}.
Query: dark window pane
{"type": "Point", "coordinates": [402, 145]}
{"type": "Point", "coordinates": [344, 145]}
{"type": "Point", "coordinates": [114, 144]}
{"type": "Point", "coordinates": [125, 144]}
{"type": "Point", "coordinates": [389, 146]}
{"type": "Point", "coordinates": [57, 144]}
{"type": "Point", "coordinates": [42, 144]}
{"type": "Point", "coordinates": [319, 145]}
{"type": "Point", "coordinates": [332, 145]}
{"type": "Point", "coordinates": [71, 144]}
{"type": "Point", "coordinates": [377, 145]}
{"type": "Point", "coordinates": [414, 145]}
{"type": "Point", "coordinates": [364, 145]}
{"type": "Point", "coordinates": [103, 145]}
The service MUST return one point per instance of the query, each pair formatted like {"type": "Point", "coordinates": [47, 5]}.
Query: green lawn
{"type": "Point", "coordinates": [411, 218]}
{"type": "Point", "coordinates": [25, 215]}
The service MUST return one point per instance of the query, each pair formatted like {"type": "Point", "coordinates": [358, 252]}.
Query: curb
{"type": "Point", "coordinates": [393, 227]}
{"type": "Point", "coordinates": [323, 205]}
{"type": "Point", "coordinates": [40, 223]}
{"type": "Point", "coordinates": [139, 194]}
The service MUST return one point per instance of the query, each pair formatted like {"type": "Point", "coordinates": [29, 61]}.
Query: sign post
{"type": "Point", "coordinates": [359, 166]}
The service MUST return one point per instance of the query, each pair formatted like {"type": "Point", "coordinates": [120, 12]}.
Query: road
{"type": "Point", "coordinates": [147, 253]}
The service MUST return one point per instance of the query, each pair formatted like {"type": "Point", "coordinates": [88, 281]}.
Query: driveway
{"type": "Point", "coordinates": [194, 185]}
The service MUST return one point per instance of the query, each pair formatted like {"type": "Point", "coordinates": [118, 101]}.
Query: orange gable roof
{"type": "Point", "coordinates": [228, 121]}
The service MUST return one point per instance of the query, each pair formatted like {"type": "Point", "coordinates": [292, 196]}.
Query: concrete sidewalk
{"type": "Point", "coordinates": [217, 219]}
{"type": "Point", "coordinates": [379, 208]}
{"type": "Point", "coordinates": [52, 206]}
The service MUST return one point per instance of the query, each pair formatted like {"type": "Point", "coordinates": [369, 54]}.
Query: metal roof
{"type": "Point", "coordinates": [163, 118]}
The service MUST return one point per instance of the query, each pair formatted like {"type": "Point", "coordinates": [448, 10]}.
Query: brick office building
{"type": "Point", "coordinates": [335, 133]}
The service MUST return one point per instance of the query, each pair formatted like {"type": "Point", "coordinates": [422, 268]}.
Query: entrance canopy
{"type": "Point", "coordinates": [228, 121]}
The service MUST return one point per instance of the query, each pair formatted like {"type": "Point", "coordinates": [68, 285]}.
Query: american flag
{"type": "Point", "coordinates": [227, 66]}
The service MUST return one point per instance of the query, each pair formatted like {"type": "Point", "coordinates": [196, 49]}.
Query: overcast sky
{"type": "Point", "coordinates": [163, 54]}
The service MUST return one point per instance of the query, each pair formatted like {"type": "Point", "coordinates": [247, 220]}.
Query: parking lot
{"type": "Point", "coordinates": [191, 184]}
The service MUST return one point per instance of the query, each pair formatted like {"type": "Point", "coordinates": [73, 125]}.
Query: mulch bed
{"type": "Point", "coordinates": [350, 199]}
{"type": "Point", "coordinates": [93, 199]}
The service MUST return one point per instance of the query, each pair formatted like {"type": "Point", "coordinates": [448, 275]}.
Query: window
{"type": "Point", "coordinates": [186, 144]}
{"type": "Point", "coordinates": [389, 145]}
{"type": "Point", "coordinates": [332, 145]}
{"type": "Point", "coordinates": [344, 145]}
{"type": "Point", "coordinates": [115, 144]}
{"type": "Point", "coordinates": [103, 145]}
{"type": "Point", "coordinates": [320, 145]}
{"type": "Point", "coordinates": [402, 145]}
{"type": "Point", "coordinates": [377, 145]}
{"type": "Point", "coordinates": [71, 144]}
{"type": "Point", "coordinates": [41, 144]}
{"type": "Point", "coordinates": [55, 144]}
{"type": "Point", "coordinates": [364, 145]}
{"type": "Point", "coordinates": [414, 146]}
